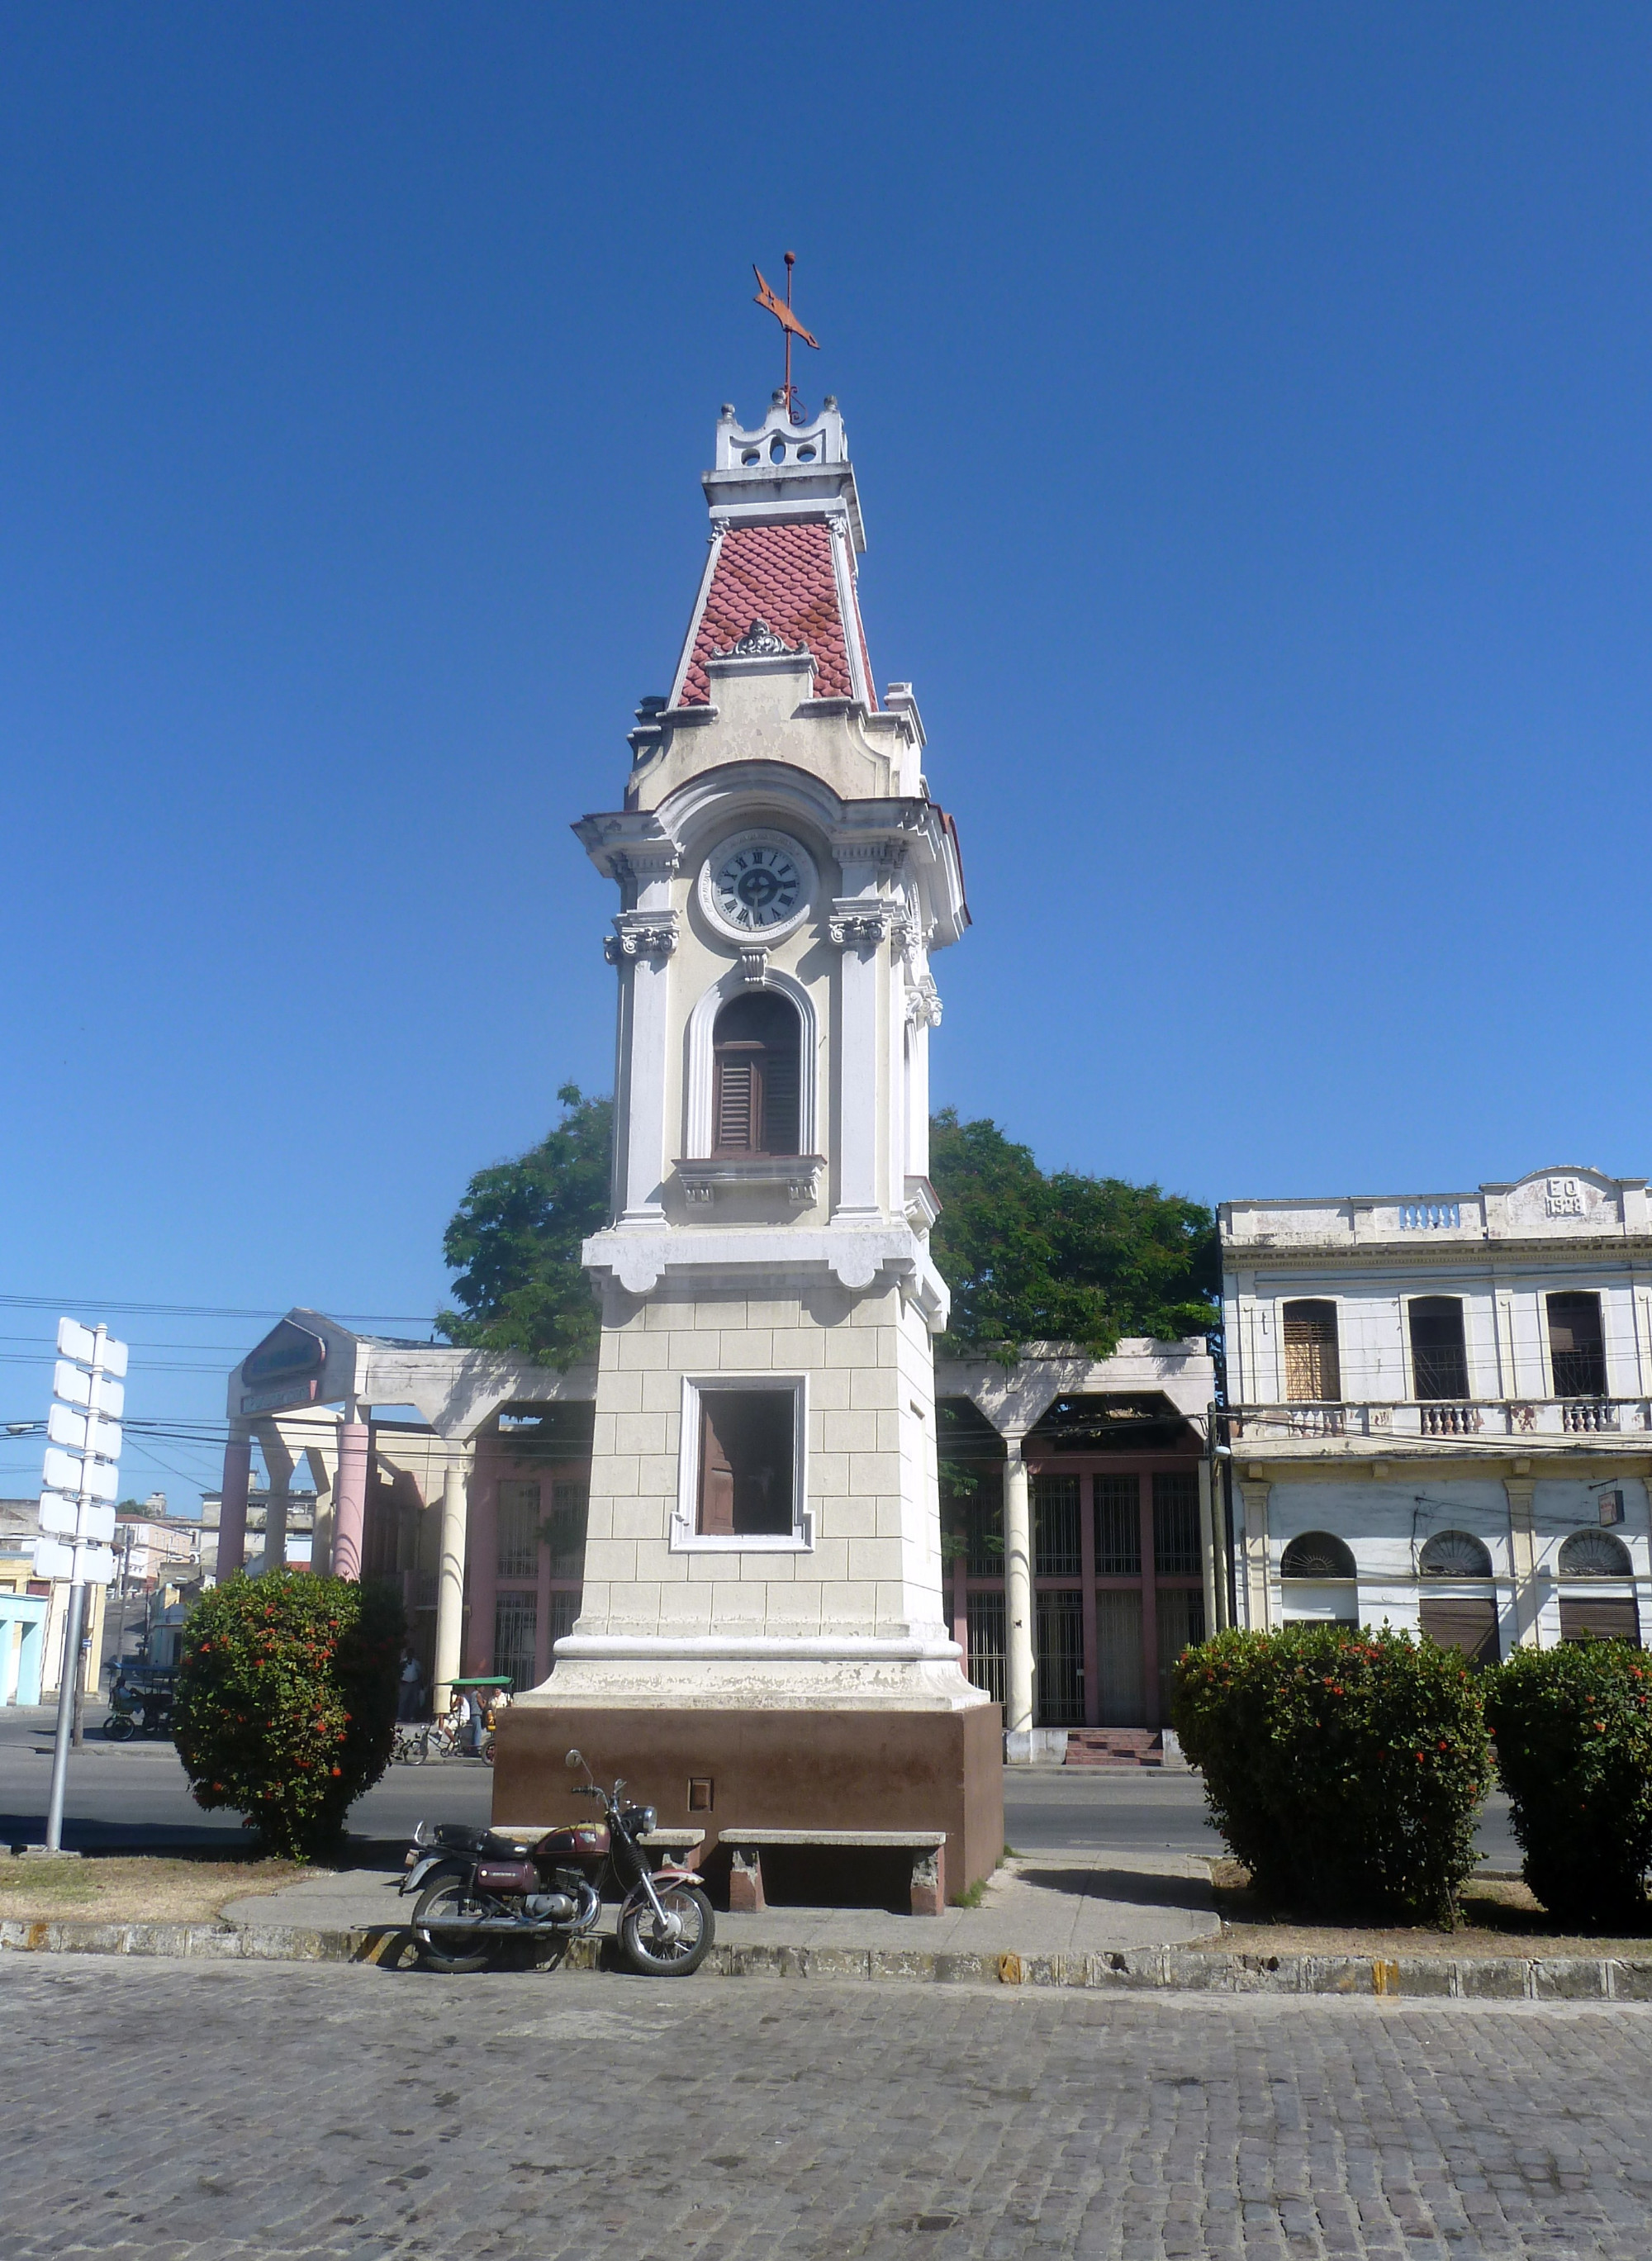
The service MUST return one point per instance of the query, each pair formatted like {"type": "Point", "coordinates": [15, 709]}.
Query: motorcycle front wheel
{"type": "Point", "coordinates": [445, 1898]}
{"type": "Point", "coordinates": [655, 1950]}
{"type": "Point", "coordinates": [120, 1727]}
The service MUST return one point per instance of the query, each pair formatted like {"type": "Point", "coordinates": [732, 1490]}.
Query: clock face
{"type": "Point", "coordinates": [759, 883]}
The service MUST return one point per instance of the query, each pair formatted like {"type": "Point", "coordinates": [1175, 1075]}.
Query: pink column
{"type": "Point", "coordinates": [232, 1510]}
{"type": "Point", "coordinates": [350, 1500]}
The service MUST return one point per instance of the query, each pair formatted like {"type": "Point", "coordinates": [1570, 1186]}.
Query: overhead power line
{"type": "Point", "coordinates": [200, 1310]}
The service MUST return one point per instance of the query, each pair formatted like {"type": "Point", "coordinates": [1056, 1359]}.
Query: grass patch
{"type": "Point", "coordinates": [974, 1897]}
{"type": "Point", "coordinates": [134, 1888]}
{"type": "Point", "coordinates": [1009, 1854]}
{"type": "Point", "coordinates": [1499, 1916]}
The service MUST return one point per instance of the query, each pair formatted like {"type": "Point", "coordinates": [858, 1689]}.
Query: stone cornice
{"type": "Point", "coordinates": [1482, 1252]}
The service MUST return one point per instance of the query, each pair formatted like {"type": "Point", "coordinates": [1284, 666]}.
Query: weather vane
{"type": "Point", "coordinates": [788, 322]}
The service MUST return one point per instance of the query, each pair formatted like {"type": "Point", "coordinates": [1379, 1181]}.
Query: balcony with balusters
{"type": "Point", "coordinates": [1487, 1421]}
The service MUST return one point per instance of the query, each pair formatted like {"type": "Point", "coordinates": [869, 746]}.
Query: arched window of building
{"type": "Point", "coordinates": [1317, 1555]}
{"type": "Point", "coordinates": [1454, 1554]}
{"type": "Point", "coordinates": [755, 1054]}
{"type": "Point", "coordinates": [1313, 1370]}
{"type": "Point", "coordinates": [1440, 1357]}
{"type": "Point", "coordinates": [1594, 1554]}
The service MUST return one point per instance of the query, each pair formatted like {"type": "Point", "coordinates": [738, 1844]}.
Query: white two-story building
{"type": "Point", "coordinates": [1441, 1410]}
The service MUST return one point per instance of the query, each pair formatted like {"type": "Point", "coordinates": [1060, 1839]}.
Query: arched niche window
{"type": "Point", "coordinates": [1316, 1554]}
{"type": "Point", "coordinates": [1454, 1554]}
{"type": "Point", "coordinates": [1577, 1345]}
{"type": "Point", "coordinates": [1439, 1357]}
{"type": "Point", "coordinates": [755, 1046]}
{"type": "Point", "coordinates": [1594, 1554]}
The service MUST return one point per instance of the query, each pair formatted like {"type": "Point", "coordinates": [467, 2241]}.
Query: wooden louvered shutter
{"type": "Point", "coordinates": [779, 1102]}
{"type": "Point", "coordinates": [716, 1474]}
{"type": "Point", "coordinates": [734, 1081]}
{"type": "Point", "coordinates": [1313, 1371]}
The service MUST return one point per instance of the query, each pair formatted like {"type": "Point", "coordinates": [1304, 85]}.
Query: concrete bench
{"type": "Point", "coordinates": [680, 1844]}
{"type": "Point", "coordinates": [927, 1848]}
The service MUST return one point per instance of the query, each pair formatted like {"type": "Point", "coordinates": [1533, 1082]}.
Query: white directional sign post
{"type": "Point", "coordinates": [77, 1510]}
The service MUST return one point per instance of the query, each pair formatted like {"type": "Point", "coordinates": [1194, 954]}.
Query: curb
{"type": "Point", "coordinates": [1145, 1969]}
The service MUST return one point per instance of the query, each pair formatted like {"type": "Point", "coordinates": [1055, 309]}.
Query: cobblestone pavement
{"type": "Point", "coordinates": [242, 2113]}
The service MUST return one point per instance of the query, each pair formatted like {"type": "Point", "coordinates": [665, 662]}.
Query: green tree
{"type": "Point", "coordinates": [514, 1242]}
{"type": "Point", "coordinates": [1031, 1256]}
{"type": "Point", "coordinates": [1028, 1256]}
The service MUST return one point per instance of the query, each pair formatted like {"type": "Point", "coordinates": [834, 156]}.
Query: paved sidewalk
{"type": "Point", "coordinates": [1049, 1904]}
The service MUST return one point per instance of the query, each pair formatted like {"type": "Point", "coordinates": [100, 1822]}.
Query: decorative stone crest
{"type": "Point", "coordinates": [754, 967]}
{"type": "Point", "coordinates": [641, 934]}
{"type": "Point", "coordinates": [760, 641]}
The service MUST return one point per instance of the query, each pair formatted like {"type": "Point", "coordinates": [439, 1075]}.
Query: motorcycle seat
{"type": "Point", "coordinates": [460, 1838]}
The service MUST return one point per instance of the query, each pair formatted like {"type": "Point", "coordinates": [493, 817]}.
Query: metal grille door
{"type": "Point", "coordinates": [515, 1633]}
{"type": "Point", "coordinates": [987, 1643]}
{"type": "Point", "coordinates": [1061, 1658]}
{"type": "Point", "coordinates": [1118, 1657]}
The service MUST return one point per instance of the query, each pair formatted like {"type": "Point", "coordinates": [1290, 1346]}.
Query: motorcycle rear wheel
{"type": "Point", "coordinates": [658, 1958]}
{"type": "Point", "coordinates": [120, 1727]}
{"type": "Point", "coordinates": [446, 1896]}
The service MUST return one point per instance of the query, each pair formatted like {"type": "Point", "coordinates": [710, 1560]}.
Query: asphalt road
{"type": "Point", "coordinates": [181, 2112]}
{"type": "Point", "coordinates": [135, 1794]}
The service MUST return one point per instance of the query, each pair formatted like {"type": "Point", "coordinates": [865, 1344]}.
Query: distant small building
{"type": "Point", "coordinates": [1441, 1412]}
{"type": "Point", "coordinates": [151, 1548]}
{"type": "Point", "coordinates": [34, 1615]}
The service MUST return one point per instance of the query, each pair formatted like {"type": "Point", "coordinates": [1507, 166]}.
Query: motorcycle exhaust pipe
{"type": "Point", "coordinates": [525, 1927]}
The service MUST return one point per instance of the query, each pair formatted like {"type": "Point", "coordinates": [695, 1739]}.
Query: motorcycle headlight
{"type": "Point", "coordinates": [646, 1818]}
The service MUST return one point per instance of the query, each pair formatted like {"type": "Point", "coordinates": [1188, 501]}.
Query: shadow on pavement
{"type": "Point", "coordinates": [227, 1840]}
{"type": "Point", "coordinates": [1131, 1886]}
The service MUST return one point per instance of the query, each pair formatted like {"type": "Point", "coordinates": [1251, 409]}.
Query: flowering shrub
{"type": "Point", "coordinates": [286, 1701]}
{"type": "Point", "coordinates": [1343, 1768]}
{"type": "Point", "coordinates": [1574, 1734]}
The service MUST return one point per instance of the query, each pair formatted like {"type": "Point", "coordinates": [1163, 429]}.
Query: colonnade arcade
{"type": "Point", "coordinates": [1081, 1551]}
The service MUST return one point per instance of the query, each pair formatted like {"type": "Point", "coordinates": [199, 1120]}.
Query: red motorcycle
{"type": "Point", "coordinates": [479, 1888]}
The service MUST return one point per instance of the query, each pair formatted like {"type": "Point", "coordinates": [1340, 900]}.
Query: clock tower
{"type": "Point", "coordinates": [761, 1640]}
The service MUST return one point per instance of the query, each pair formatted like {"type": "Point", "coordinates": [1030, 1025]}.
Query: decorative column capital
{"type": "Point", "coordinates": [923, 1004]}
{"type": "Point", "coordinates": [861, 922]}
{"type": "Point", "coordinates": [641, 934]}
{"type": "Point", "coordinates": [754, 967]}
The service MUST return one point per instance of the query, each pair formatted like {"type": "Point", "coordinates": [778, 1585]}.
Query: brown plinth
{"type": "Point", "coordinates": [772, 1770]}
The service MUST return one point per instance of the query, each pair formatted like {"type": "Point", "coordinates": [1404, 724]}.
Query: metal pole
{"type": "Point", "coordinates": [65, 1717]}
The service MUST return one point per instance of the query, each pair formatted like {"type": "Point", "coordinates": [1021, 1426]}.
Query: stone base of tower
{"type": "Point", "coordinates": [774, 1769]}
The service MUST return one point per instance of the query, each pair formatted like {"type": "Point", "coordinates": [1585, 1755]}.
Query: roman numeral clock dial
{"type": "Point", "coordinates": [757, 884]}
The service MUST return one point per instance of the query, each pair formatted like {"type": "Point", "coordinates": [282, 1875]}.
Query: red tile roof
{"type": "Point", "coordinates": [781, 575]}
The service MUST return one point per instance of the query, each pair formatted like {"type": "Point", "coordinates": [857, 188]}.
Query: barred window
{"type": "Point", "coordinates": [518, 1529]}
{"type": "Point", "coordinates": [1118, 1526]}
{"type": "Point", "coordinates": [1175, 1524]}
{"type": "Point", "coordinates": [1056, 1544]}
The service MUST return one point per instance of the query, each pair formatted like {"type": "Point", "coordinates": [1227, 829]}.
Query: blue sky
{"type": "Point", "coordinates": [1251, 411]}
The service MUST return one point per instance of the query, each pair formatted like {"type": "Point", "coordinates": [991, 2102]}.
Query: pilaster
{"type": "Point", "coordinates": [1255, 1491]}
